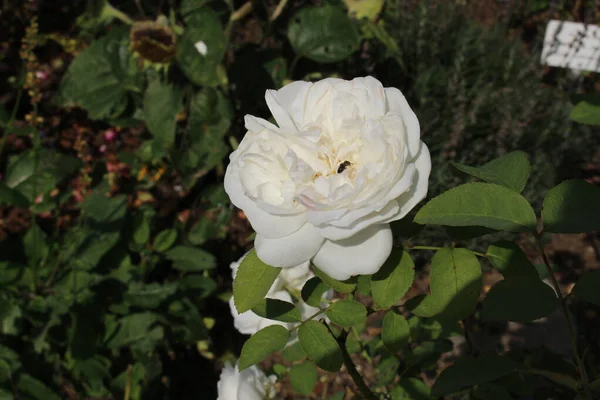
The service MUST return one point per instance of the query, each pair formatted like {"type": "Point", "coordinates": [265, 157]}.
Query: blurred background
{"type": "Point", "coordinates": [116, 121]}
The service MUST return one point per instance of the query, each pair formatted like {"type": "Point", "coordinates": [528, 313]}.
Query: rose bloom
{"type": "Point", "coordinates": [344, 160]}
{"type": "Point", "coordinates": [290, 279]}
{"type": "Point", "coordinates": [250, 384]}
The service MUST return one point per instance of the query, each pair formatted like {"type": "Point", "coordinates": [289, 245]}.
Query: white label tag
{"type": "Point", "coordinates": [572, 45]}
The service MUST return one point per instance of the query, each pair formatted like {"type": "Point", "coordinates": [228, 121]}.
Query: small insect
{"type": "Point", "coordinates": [343, 166]}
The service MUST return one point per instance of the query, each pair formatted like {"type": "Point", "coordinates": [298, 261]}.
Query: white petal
{"type": "Point", "coordinates": [362, 254]}
{"type": "Point", "coordinates": [396, 102]}
{"type": "Point", "coordinates": [292, 99]}
{"type": "Point", "coordinates": [228, 383]}
{"type": "Point", "coordinates": [265, 224]}
{"type": "Point", "coordinates": [407, 201]}
{"type": "Point", "coordinates": [364, 219]}
{"type": "Point", "coordinates": [255, 124]}
{"type": "Point", "coordinates": [280, 113]}
{"type": "Point", "coordinates": [289, 251]}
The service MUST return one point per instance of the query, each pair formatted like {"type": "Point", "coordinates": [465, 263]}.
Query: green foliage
{"type": "Point", "coordinates": [508, 258]}
{"type": "Point", "coordinates": [252, 282]}
{"type": "Point", "coordinates": [323, 34]}
{"type": "Point", "coordinates": [511, 170]}
{"type": "Point", "coordinates": [313, 290]}
{"type": "Point", "coordinates": [277, 310]}
{"type": "Point", "coordinates": [320, 346]}
{"type": "Point", "coordinates": [480, 204]}
{"type": "Point", "coordinates": [261, 344]}
{"type": "Point", "coordinates": [339, 286]}
{"type": "Point", "coordinates": [395, 332]}
{"type": "Point", "coordinates": [469, 371]}
{"type": "Point", "coordinates": [347, 313]}
{"type": "Point", "coordinates": [586, 287]}
{"type": "Point", "coordinates": [392, 281]}
{"type": "Point", "coordinates": [303, 378]}
{"type": "Point", "coordinates": [572, 207]}
{"type": "Point", "coordinates": [102, 76]}
{"type": "Point", "coordinates": [455, 286]}
{"type": "Point", "coordinates": [521, 299]}
{"type": "Point", "coordinates": [587, 111]}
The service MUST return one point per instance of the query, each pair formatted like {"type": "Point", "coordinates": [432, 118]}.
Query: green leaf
{"type": "Point", "coordinates": [491, 391]}
{"type": "Point", "coordinates": [480, 204]}
{"type": "Point", "coordinates": [149, 295]}
{"type": "Point", "coordinates": [521, 299]}
{"type": "Point", "coordinates": [35, 389]}
{"type": "Point", "coordinates": [511, 170]}
{"type": "Point", "coordinates": [141, 227]}
{"type": "Point", "coordinates": [347, 313]}
{"type": "Point", "coordinates": [277, 310]}
{"type": "Point", "coordinates": [100, 77]}
{"type": "Point", "coordinates": [455, 285]}
{"type": "Point", "coordinates": [320, 346]}
{"type": "Point", "coordinates": [293, 352]}
{"type": "Point", "coordinates": [252, 283]}
{"type": "Point", "coordinates": [411, 389]}
{"type": "Point", "coordinates": [427, 351]}
{"type": "Point", "coordinates": [323, 34]}
{"type": "Point", "coordinates": [264, 342]}
{"type": "Point", "coordinates": [189, 7]}
{"type": "Point", "coordinates": [508, 258]}
{"type": "Point", "coordinates": [392, 281]}
{"type": "Point", "coordinates": [346, 286]}
{"type": "Point", "coordinates": [94, 246]}
{"type": "Point", "coordinates": [467, 232]}
{"type": "Point", "coordinates": [164, 240]}
{"type": "Point", "coordinates": [572, 207]}
{"type": "Point", "coordinates": [12, 197]}
{"type": "Point", "coordinates": [395, 332]}
{"type": "Point", "coordinates": [469, 371]}
{"type": "Point", "coordinates": [35, 172]}
{"type": "Point", "coordinates": [363, 284]}
{"type": "Point", "coordinates": [313, 291]}
{"type": "Point", "coordinates": [387, 370]}
{"type": "Point", "coordinates": [210, 119]}
{"type": "Point", "coordinates": [9, 314]}
{"type": "Point", "coordinates": [303, 378]}
{"type": "Point", "coordinates": [587, 111]}
{"type": "Point", "coordinates": [203, 25]}
{"type": "Point", "coordinates": [191, 259]}
{"type": "Point", "coordinates": [130, 329]}
{"type": "Point", "coordinates": [587, 287]}
{"type": "Point", "coordinates": [36, 245]}
{"type": "Point", "coordinates": [103, 209]}
{"type": "Point", "coordinates": [162, 103]}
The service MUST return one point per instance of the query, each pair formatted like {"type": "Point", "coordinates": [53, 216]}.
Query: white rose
{"type": "Point", "coordinates": [250, 384]}
{"type": "Point", "coordinates": [345, 160]}
{"type": "Point", "coordinates": [290, 279]}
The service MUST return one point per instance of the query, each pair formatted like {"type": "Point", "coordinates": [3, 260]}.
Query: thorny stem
{"type": "Point", "coordinates": [358, 380]}
{"type": "Point", "coordinates": [565, 310]}
{"type": "Point", "coordinates": [435, 248]}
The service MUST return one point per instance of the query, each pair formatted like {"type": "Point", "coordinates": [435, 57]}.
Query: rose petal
{"type": "Point", "coordinates": [408, 200]}
{"type": "Point", "coordinates": [289, 251]}
{"type": "Point", "coordinates": [291, 98]}
{"type": "Point", "coordinates": [256, 125]}
{"type": "Point", "coordinates": [336, 233]}
{"type": "Point", "coordinates": [265, 224]}
{"type": "Point", "coordinates": [361, 254]}
{"type": "Point", "coordinates": [396, 102]}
